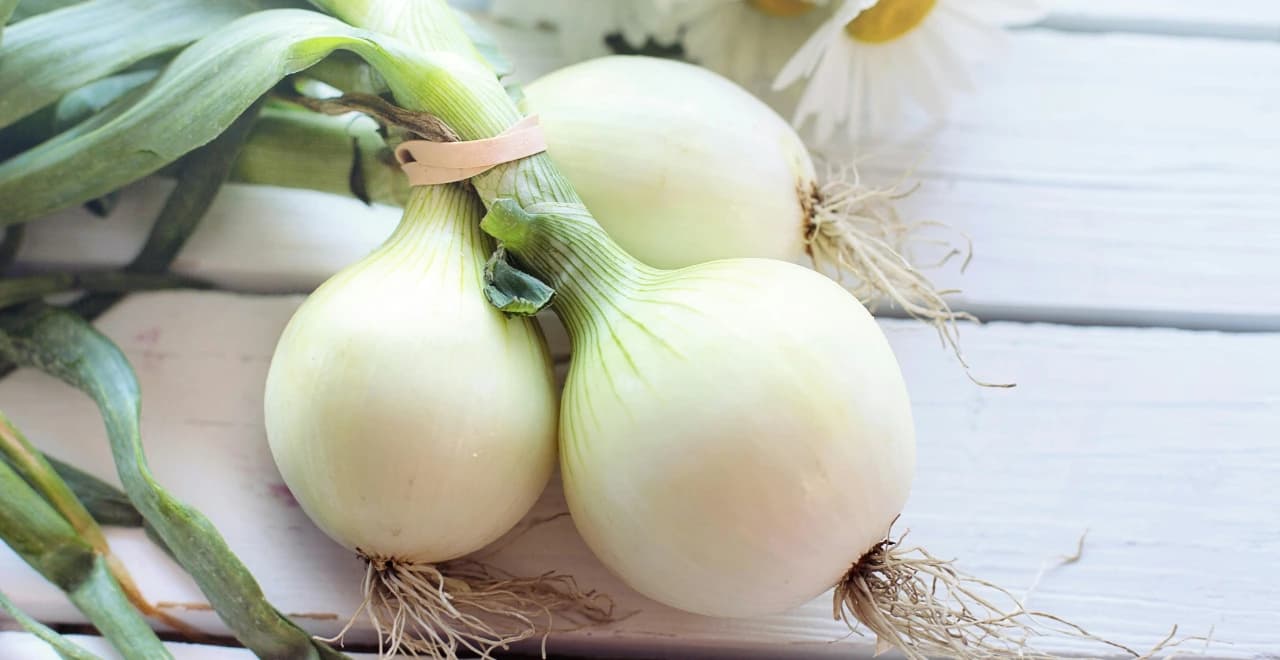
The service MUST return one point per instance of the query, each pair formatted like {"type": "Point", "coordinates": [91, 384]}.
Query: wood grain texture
{"type": "Point", "coordinates": [1162, 443]}
{"type": "Point", "coordinates": [1231, 19]}
{"type": "Point", "coordinates": [1122, 179]}
{"type": "Point", "coordinates": [27, 647]}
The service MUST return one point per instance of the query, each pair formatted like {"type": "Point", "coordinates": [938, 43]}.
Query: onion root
{"type": "Point", "coordinates": [855, 234]}
{"type": "Point", "coordinates": [441, 610]}
{"type": "Point", "coordinates": [922, 606]}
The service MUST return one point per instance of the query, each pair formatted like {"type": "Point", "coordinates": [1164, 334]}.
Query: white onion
{"type": "Point", "coordinates": [734, 435]}
{"type": "Point", "coordinates": [412, 421]}
{"type": "Point", "coordinates": [678, 164]}
{"type": "Point", "coordinates": [682, 166]}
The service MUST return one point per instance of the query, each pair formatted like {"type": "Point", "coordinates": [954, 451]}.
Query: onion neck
{"type": "Point", "coordinates": [439, 223]}
{"type": "Point", "coordinates": [563, 246]}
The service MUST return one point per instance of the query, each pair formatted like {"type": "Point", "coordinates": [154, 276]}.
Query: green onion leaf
{"type": "Point", "coordinates": [29, 8]}
{"type": "Point", "coordinates": [14, 290]}
{"type": "Point", "coordinates": [10, 244]}
{"type": "Point", "coordinates": [200, 175]}
{"type": "Point", "coordinates": [46, 541]}
{"type": "Point", "coordinates": [51, 54]}
{"type": "Point", "coordinates": [96, 96]}
{"type": "Point", "coordinates": [201, 92]}
{"type": "Point", "coordinates": [65, 346]}
{"type": "Point", "coordinates": [61, 645]}
{"type": "Point", "coordinates": [107, 504]}
{"type": "Point", "coordinates": [6, 10]}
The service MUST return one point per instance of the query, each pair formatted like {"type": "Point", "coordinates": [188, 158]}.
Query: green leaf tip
{"type": "Point", "coordinates": [507, 222]}
{"type": "Point", "coordinates": [512, 290]}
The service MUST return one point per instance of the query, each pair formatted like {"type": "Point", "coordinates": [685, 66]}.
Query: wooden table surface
{"type": "Point", "coordinates": [1119, 173]}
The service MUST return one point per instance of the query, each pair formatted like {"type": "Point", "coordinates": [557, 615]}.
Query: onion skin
{"type": "Point", "coordinates": [751, 441]}
{"type": "Point", "coordinates": [410, 419]}
{"type": "Point", "coordinates": [678, 164]}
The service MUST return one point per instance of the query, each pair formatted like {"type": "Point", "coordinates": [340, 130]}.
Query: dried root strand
{"type": "Point", "coordinates": [922, 606]}
{"type": "Point", "coordinates": [856, 234]}
{"type": "Point", "coordinates": [440, 611]}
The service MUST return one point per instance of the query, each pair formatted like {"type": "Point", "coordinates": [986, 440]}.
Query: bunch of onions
{"type": "Point", "coordinates": [704, 170]}
{"type": "Point", "coordinates": [735, 436]}
{"type": "Point", "coordinates": [415, 424]}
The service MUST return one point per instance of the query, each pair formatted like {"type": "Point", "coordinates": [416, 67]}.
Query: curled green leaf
{"type": "Point", "coordinates": [235, 65]}
{"type": "Point", "coordinates": [44, 539]}
{"type": "Point", "coordinates": [61, 645]}
{"type": "Point", "coordinates": [65, 346]}
{"type": "Point", "coordinates": [50, 54]}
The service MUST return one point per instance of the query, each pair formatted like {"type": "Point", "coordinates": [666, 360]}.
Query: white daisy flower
{"type": "Point", "coordinates": [870, 57]}
{"type": "Point", "coordinates": [583, 24]}
{"type": "Point", "coordinates": [747, 41]}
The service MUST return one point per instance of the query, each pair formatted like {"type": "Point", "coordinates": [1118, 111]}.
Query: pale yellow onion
{"type": "Point", "coordinates": [412, 421]}
{"type": "Point", "coordinates": [765, 432]}
{"type": "Point", "coordinates": [682, 166]}
{"type": "Point", "coordinates": [678, 164]}
{"type": "Point", "coordinates": [735, 435]}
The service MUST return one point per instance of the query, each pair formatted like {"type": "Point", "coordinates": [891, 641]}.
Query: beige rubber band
{"type": "Point", "coordinates": [429, 163]}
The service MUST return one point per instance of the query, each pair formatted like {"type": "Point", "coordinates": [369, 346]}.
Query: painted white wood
{"type": "Point", "coordinates": [1161, 443]}
{"type": "Point", "coordinates": [29, 647]}
{"type": "Point", "coordinates": [252, 238]}
{"type": "Point", "coordinates": [1103, 179]}
{"type": "Point", "coordinates": [1233, 19]}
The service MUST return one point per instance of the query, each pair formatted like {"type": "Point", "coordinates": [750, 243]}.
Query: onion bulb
{"type": "Point", "coordinates": [415, 423]}
{"type": "Point", "coordinates": [682, 166]}
{"type": "Point", "coordinates": [736, 439]}
{"type": "Point", "coordinates": [734, 435]}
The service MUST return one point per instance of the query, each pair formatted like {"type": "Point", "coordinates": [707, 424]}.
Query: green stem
{"type": "Point", "coordinates": [32, 466]}
{"type": "Point", "coordinates": [38, 472]}
{"type": "Point", "coordinates": [295, 148]}
{"type": "Point", "coordinates": [15, 290]}
{"type": "Point", "coordinates": [42, 537]}
{"type": "Point", "coordinates": [563, 244]}
{"type": "Point", "coordinates": [61, 645]}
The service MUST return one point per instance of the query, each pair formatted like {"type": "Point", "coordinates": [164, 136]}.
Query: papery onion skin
{"type": "Point", "coordinates": [734, 436]}
{"type": "Point", "coordinates": [680, 165]}
{"type": "Point", "coordinates": [409, 418]}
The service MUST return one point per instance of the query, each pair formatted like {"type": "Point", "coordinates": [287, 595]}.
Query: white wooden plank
{"type": "Point", "coordinates": [1103, 179]}
{"type": "Point", "coordinates": [1162, 443]}
{"type": "Point", "coordinates": [1233, 19]}
{"type": "Point", "coordinates": [1124, 179]}
{"type": "Point", "coordinates": [29, 647]}
{"type": "Point", "coordinates": [252, 238]}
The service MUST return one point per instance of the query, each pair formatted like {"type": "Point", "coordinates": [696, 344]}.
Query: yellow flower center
{"type": "Point", "coordinates": [786, 8]}
{"type": "Point", "coordinates": [889, 19]}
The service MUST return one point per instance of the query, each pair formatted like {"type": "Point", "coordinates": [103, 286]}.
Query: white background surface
{"type": "Point", "coordinates": [1106, 178]}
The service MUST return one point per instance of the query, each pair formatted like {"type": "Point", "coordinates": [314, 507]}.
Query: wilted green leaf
{"type": "Point", "coordinates": [29, 8]}
{"type": "Point", "coordinates": [44, 539]}
{"type": "Point", "coordinates": [67, 347]}
{"type": "Point", "coordinates": [235, 66]}
{"type": "Point", "coordinates": [61, 645]}
{"type": "Point", "coordinates": [6, 9]}
{"type": "Point", "coordinates": [512, 290]}
{"type": "Point", "coordinates": [10, 244]}
{"type": "Point", "coordinates": [14, 290]}
{"type": "Point", "coordinates": [200, 175]}
{"type": "Point", "coordinates": [80, 104]}
{"type": "Point", "coordinates": [51, 54]}
{"type": "Point", "coordinates": [107, 504]}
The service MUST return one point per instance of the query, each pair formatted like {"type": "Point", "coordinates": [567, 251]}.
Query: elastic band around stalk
{"type": "Point", "coordinates": [429, 163]}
